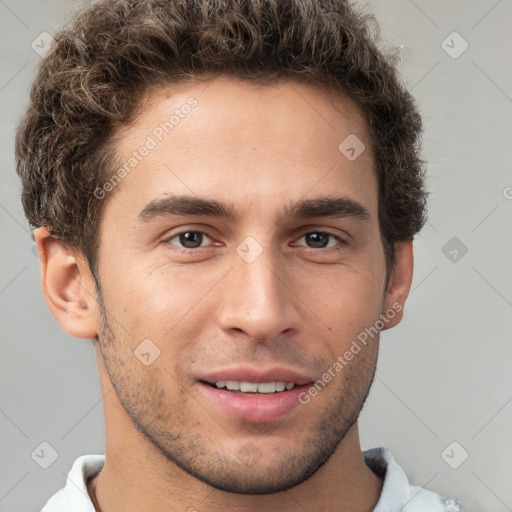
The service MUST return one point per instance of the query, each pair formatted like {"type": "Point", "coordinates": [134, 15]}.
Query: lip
{"type": "Point", "coordinates": [252, 408]}
{"type": "Point", "coordinates": [248, 374]}
{"type": "Point", "coordinates": [259, 408]}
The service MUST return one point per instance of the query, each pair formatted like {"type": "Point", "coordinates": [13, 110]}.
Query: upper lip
{"type": "Point", "coordinates": [257, 375]}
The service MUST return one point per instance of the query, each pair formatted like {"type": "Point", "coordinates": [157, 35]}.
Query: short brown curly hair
{"type": "Point", "coordinates": [98, 70]}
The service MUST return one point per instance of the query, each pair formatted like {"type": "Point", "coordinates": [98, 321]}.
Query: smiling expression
{"type": "Point", "coordinates": [245, 249]}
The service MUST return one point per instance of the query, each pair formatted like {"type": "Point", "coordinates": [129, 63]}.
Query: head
{"type": "Point", "coordinates": [220, 188]}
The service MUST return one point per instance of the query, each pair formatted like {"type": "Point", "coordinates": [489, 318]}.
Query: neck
{"type": "Point", "coordinates": [132, 481]}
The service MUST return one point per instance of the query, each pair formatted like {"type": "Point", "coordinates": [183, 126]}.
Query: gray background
{"type": "Point", "coordinates": [444, 373]}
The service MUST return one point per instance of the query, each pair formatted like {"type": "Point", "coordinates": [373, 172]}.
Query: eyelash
{"type": "Point", "coordinates": [187, 249]}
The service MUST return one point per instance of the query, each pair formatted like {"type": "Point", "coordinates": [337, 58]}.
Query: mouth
{"type": "Point", "coordinates": [254, 396]}
{"type": "Point", "coordinates": [252, 388]}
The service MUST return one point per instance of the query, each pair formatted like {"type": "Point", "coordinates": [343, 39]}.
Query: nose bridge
{"type": "Point", "coordinates": [259, 278]}
{"type": "Point", "coordinates": [258, 301]}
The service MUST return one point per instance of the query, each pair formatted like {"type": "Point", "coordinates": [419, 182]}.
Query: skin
{"type": "Point", "coordinates": [296, 305]}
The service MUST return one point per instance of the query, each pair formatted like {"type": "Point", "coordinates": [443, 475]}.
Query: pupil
{"type": "Point", "coordinates": [191, 239]}
{"type": "Point", "coordinates": [318, 239]}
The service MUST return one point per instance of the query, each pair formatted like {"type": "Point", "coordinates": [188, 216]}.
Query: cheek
{"type": "Point", "coordinates": [346, 303]}
{"type": "Point", "coordinates": [342, 295]}
{"type": "Point", "coordinates": [157, 299]}
{"type": "Point", "coordinates": [171, 308]}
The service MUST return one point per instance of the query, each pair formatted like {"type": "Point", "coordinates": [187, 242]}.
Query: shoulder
{"type": "Point", "coordinates": [398, 493]}
{"type": "Point", "coordinates": [74, 494]}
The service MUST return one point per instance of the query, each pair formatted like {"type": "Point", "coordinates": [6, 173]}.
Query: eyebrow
{"type": "Point", "coordinates": [186, 205]}
{"type": "Point", "coordinates": [337, 207]}
{"type": "Point", "coordinates": [329, 207]}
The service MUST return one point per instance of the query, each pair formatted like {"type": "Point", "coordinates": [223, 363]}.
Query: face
{"type": "Point", "coordinates": [240, 250]}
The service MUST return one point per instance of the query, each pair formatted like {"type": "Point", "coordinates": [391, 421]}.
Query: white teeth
{"type": "Point", "coordinates": [254, 387]}
{"type": "Point", "coordinates": [266, 387]}
{"type": "Point", "coordinates": [280, 386]}
{"type": "Point", "coordinates": [248, 387]}
{"type": "Point", "coordinates": [233, 385]}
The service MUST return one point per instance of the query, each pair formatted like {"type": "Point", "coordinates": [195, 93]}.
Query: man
{"type": "Point", "coordinates": [224, 196]}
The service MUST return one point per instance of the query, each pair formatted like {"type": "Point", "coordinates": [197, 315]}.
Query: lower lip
{"type": "Point", "coordinates": [259, 408]}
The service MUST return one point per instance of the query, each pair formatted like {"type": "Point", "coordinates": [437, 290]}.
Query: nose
{"type": "Point", "coordinates": [258, 299]}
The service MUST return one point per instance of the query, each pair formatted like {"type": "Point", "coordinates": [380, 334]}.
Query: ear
{"type": "Point", "coordinates": [399, 283]}
{"type": "Point", "coordinates": [68, 286]}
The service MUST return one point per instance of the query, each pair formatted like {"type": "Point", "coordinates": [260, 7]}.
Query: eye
{"type": "Point", "coordinates": [319, 240]}
{"type": "Point", "coordinates": [189, 239]}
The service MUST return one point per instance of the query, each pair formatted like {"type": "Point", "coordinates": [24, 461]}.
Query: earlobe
{"type": "Point", "coordinates": [399, 283]}
{"type": "Point", "coordinates": [68, 286]}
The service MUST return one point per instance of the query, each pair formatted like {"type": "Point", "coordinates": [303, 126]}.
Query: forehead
{"type": "Point", "coordinates": [229, 104]}
{"type": "Point", "coordinates": [243, 142]}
